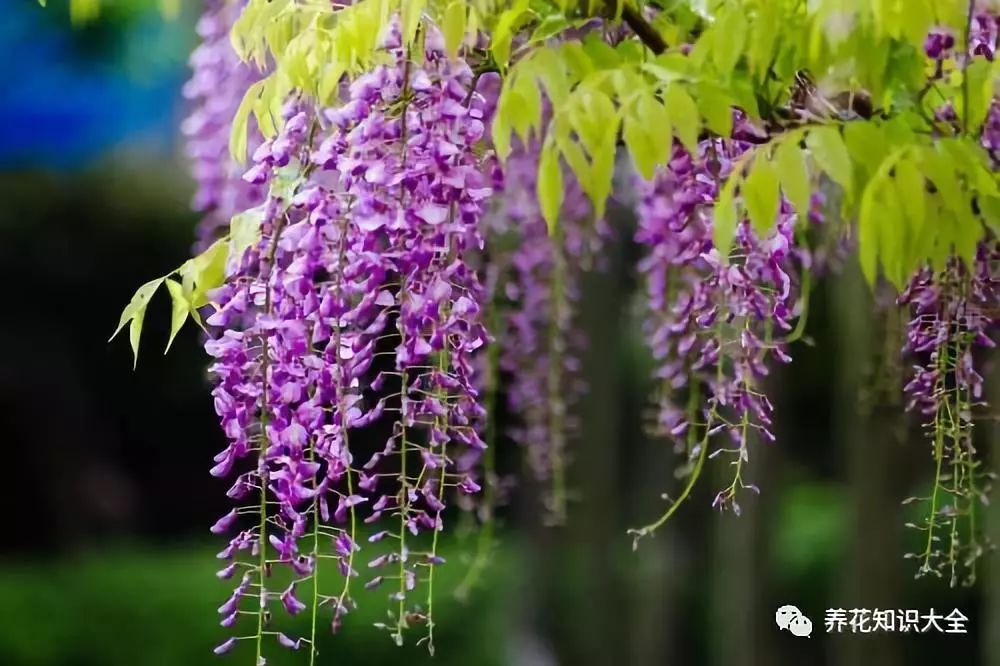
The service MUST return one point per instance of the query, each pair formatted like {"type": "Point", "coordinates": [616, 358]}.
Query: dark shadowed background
{"type": "Point", "coordinates": [105, 552]}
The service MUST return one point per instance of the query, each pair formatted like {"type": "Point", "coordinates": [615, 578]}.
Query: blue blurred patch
{"type": "Point", "coordinates": [62, 106]}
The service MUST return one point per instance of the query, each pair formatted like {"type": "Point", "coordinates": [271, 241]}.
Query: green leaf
{"type": "Point", "coordinates": [134, 314]}
{"type": "Point", "coordinates": [551, 71]}
{"type": "Point", "coordinates": [980, 84]}
{"type": "Point", "coordinates": [763, 37]}
{"type": "Point", "coordinates": [591, 116]}
{"type": "Point", "coordinates": [244, 231]}
{"type": "Point", "coordinates": [729, 36]}
{"type": "Point", "coordinates": [989, 209]}
{"type": "Point", "coordinates": [550, 26]}
{"type": "Point", "coordinates": [683, 116]}
{"type": "Point", "coordinates": [573, 154]}
{"type": "Point", "coordinates": [866, 144]}
{"type": "Point", "coordinates": [646, 130]}
{"type": "Point", "coordinates": [139, 302]}
{"type": "Point", "coordinates": [917, 18]}
{"type": "Point", "coordinates": [725, 219]}
{"type": "Point", "coordinates": [602, 169]}
{"type": "Point", "coordinates": [891, 232]}
{"type": "Point", "coordinates": [179, 311]}
{"type": "Point", "coordinates": [501, 131]}
{"type": "Point", "coordinates": [411, 12]}
{"type": "Point", "coordinates": [503, 32]}
{"type": "Point", "coordinates": [940, 168]}
{"type": "Point", "coordinates": [831, 155]}
{"type": "Point", "coordinates": [716, 107]}
{"type": "Point", "coordinates": [525, 106]}
{"type": "Point", "coordinates": [205, 272]}
{"type": "Point", "coordinates": [550, 184]}
{"type": "Point", "coordinates": [238, 133]}
{"type": "Point", "coordinates": [910, 187]}
{"type": "Point", "coordinates": [761, 196]}
{"type": "Point", "coordinates": [793, 174]}
{"type": "Point", "coordinates": [868, 234]}
{"type": "Point", "coordinates": [453, 26]}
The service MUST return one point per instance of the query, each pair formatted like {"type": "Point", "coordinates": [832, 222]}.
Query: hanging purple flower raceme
{"type": "Point", "coordinates": [712, 323]}
{"type": "Point", "coordinates": [217, 85]}
{"type": "Point", "coordinates": [539, 291]}
{"type": "Point", "coordinates": [952, 314]}
{"type": "Point", "coordinates": [266, 372]}
{"type": "Point", "coordinates": [405, 147]}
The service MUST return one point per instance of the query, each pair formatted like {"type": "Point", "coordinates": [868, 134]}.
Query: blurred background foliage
{"type": "Point", "coordinates": [105, 554]}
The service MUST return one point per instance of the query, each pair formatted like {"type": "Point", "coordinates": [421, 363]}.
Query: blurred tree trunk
{"type": "Point", "coordinates": [738, 622]}
{"type": "Point", "coordinates": [659, 568]}
{"type": "Point", "coordinates": [868, 429]}
{"type": "Point", "coordinates": [991, 588]}
{"type": "Point", "coordinates": [595, 536]}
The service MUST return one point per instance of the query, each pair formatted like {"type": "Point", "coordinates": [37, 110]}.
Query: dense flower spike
{"type": "Point", "coordinates": [218, 83]}
{"type": "Point", "coordinates": [712, 321]}
{"type": "Point", "coordinates": [373, 208]}
{"type": "Point", "coordinates": [408, 162]}
{"type": "Point", "coordinates": [952, 312]}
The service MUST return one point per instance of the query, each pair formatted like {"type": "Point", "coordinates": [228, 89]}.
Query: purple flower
{"type": "Point", "coordinates": [218, 82]}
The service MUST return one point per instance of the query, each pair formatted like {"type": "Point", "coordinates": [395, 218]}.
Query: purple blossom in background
{"type": "Point", "coordinates": [539, 294]}
{"type": "Point", "coordinates": [218, 82]}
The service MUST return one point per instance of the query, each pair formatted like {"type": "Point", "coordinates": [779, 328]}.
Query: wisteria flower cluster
{"type": "Point", "coordinates": [387, 275]}
{"type": "Point", "coordinates": [540, 289]}
{"type": "Point", "coordinates": [361, 258]}
{"type": "Point", "coordinates": [952, 312]}
{"type": "Point", "coordinates": [711, 321]}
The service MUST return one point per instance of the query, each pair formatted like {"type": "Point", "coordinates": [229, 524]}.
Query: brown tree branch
{"type": "Point", "coordinates": [646, 33]}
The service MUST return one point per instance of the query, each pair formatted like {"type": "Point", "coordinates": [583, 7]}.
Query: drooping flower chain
{"type": "Point", "coordinates": [711, 323]}
{"type": "Point", "coordinates": [953, 311]}
{"type": "Point", "coordinates": [366, 259]}
{"type": "Point", "coordinates": [540, 287]}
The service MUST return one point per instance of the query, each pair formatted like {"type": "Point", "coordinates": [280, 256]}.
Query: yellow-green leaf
{"type": "Point", "coordinates": [646, 129]}
{"type": "Point", "coordinates": [763, 37]}
{"type": "Point", "coordinates": [868, 234]}
{"type": "Point", "coordinates": [138, 303]}
{"type": "Point", "coordinates": [980, 85]}
{"type": "Point", "coordinates": [453, 26]}
{"type": "Point", "coordinates": [412, 11]}
{"type": "Point", "coordinates": [716, 108]}
{"type": "Point", "coordinates": [793, 173]}
{"type": "Point", "coordinates": [866, 144]}
{"type": "Point", "coordinates": [761, 196]}
{"type": "Point", "coordinates": [238, 133]}
{"type": "Point", "coordinates": [550, 184]}
{"type": "Point", "coordinates": [683, 116]}
{"type": "Point", "coordinates": [730, 37]}
{"type": "Point", "coordinates": [244, 231]}
{"type": "Point", "coordinates": [940, 168]}
{"type": "Point", "coordinates": [725, 219]}
{"type": "Point", "coordinates": [550, 70]}
{"type": "Point", "coordinates": [179, 310]}
{"type": "Point", "coordinates": [910, 187]}
{"type": "Point", "coordinates": [831, 155]}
